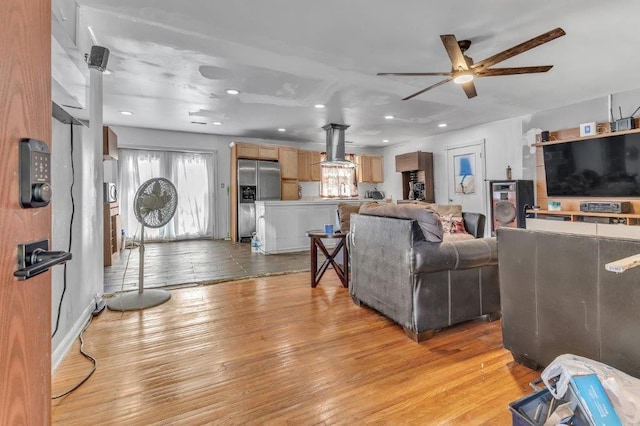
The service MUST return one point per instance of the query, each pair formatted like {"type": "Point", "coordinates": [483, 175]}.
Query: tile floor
{"type": "Point", "coordinates": [193, 262]}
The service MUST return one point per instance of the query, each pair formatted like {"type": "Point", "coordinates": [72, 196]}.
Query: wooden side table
{"type": "Point", "coordinates": [342, 271]}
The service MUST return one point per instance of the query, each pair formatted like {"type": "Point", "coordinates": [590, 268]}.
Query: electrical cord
{"type": "Point", "coordinates": [73, 211]}
{"type": "Point", "coordinates": [87, 356]}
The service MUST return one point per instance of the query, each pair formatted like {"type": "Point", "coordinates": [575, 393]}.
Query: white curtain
{"type": "Point", "coordinates": [194, 178]}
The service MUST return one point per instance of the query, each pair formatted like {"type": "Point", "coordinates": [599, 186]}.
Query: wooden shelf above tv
{"type": "Point", "coordinates": [573, 134]}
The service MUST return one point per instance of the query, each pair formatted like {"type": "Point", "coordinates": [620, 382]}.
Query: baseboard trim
{"type": "Point", "coordinates": [57, 355]}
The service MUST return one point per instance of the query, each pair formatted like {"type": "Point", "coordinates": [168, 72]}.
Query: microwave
{"type": "Point", "coordinates": [110, 192]}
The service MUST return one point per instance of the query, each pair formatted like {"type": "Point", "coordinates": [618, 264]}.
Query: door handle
{"type": "Point", "coordinates": [34, 258]}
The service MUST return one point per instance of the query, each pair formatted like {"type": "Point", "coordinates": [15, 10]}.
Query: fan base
{"type": "Point", "coordinates": [134, 301]}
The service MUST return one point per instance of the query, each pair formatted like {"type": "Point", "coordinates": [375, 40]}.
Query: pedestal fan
{"type": "Point", "coordinates": [154, 205]}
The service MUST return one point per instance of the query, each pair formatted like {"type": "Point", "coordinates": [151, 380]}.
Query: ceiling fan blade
{"type": "Point", "coordinates": [440, 83]}
{"type": "Point", "coordinates": [454, 52]}
{"type": "Point", "coordinates": [470, 89]}
{"type": "Point", "coordinates": [510, 71]}
{"type": "Point", "coordinates": [521, 48]}
{"type": "Point", "coordinates": [413, 74]}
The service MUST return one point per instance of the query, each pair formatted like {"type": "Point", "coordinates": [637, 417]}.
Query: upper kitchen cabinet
{"type": "Point", "coordinates": [308, 166]}
{"type": "Point", "coordinates": [414, 161]}
{"type": "Point", "coordinates": [369, 169]}
{"type": "Point", "coordinates": [109, 144]}
{"type": "Point", "coordinates": [268, 152]}
{"type": "Point", "coordinates": [288, 158]}
{"type": "Point", "coordinates": [256, 152]}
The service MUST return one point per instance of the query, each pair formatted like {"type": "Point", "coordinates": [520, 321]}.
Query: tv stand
{"type": "Point", "coordinates": [620, 225]}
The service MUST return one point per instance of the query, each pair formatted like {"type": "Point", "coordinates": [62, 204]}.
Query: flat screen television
{"type": "Point", "coordinates": [598, 167]}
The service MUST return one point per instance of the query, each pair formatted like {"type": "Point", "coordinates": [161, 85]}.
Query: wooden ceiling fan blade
{"type": "Point", "coordinates": [492, 72]}
{"type": "Point", "coordinates": [414, 74]}
{"type": "Point", "coordinates": [521, 48]}
{"type": "Point", "coordinates": [454, 52]}
{"type": "Point", "coordinates": [440, 83]}
{"type": "Point", "coordinates": [469, 89]}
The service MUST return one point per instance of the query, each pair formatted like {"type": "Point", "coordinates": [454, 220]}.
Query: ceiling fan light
{"type": "Point", "coordinates": [463, 77]}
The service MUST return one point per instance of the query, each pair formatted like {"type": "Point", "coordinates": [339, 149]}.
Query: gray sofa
{"type": "Point", "coordinates": [423, 286]}
{"type": "Point", "coordinates": [558, 298]}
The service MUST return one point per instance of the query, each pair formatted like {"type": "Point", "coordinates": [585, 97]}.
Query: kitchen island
{"type": "Point", "coordinates": [281, 226]}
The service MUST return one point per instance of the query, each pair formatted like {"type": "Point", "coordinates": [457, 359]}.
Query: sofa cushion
{"type": "Point", "coordinates": [344, 214]}
{"type": "Point", "coordinates": [427, 219]}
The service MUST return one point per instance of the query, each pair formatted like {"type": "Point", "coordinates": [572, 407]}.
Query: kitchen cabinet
{"type": "Point", "coordinates": [414, 161]}
{"type": "Point", "coordinates": [308, 166]}
{"type": "Point", "coordinates": [245, 150]}
{"type": "Point", "coordinates": [267, 152]}
{"type": "Point", "coordinates": [369, 169]}
{"type": "Point", "coordinates": [109, 144]}
{"type": "Point", "coordinates": [256, 152]}
{"type": "Point", "coordinates": [288, 158]}
{"type": "Point", "coordinates": [416, 167]}
{"type": "Point", "coordinates": [112, 236]}
{"type": "Point", "coordinates": [289, 189]}
{"type": "Point", "coordinates": [314, 158]}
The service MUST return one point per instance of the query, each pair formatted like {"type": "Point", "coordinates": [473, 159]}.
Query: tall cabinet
{"type": "Point", "coordinates": [112, 224]}
{"type": "Point", "coordinates": [417, 167]}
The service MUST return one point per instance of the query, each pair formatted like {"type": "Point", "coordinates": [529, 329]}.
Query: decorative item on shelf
{"type": "Point", "coordinates": [508, 172]}
{"type": "Point", "coordinates": [554, 206]}
{"type": "Point", "coordinates": [588, 129]}
{"type": "Point", "coordinates": [544, 136]}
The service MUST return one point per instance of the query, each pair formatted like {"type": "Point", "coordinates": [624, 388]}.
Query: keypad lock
{"type": "Point", "coordinates": [35, 173]}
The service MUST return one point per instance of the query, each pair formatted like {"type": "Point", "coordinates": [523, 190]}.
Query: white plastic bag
{"type": "Point", "coordinates": [622, 389]}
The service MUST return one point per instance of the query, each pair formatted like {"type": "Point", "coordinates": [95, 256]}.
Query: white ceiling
{"type": "Point", "coordinates": [173, 60]}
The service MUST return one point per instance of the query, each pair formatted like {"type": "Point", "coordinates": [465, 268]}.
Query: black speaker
{"type": "Point", "coordinates": [508, 201]}
{"type": "Point", "coordinates": [98, 58]}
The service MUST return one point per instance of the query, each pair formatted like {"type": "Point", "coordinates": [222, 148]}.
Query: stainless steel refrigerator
{"type": "Point", "coordinates": [257, 181]}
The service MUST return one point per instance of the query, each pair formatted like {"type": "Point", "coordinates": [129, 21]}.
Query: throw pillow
{"type": "Point", "coordinates": [427, 219]}
{"type": "Point", "coordinates": [344, 214]}
{"type": "Point", "coordinates": [454, 229]}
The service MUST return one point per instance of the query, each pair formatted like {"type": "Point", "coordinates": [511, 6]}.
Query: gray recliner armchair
{"type": "Point", "coordinates": [422, 285]}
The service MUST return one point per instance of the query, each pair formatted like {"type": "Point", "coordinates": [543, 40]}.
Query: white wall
{"type": "Point", "coordinates": [85, 273]}
{"type": "Point", "coordinates": [133, 137]}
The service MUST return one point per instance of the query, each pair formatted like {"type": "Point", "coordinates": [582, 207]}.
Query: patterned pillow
{"type": "Point", "coordinates": [453, 224]}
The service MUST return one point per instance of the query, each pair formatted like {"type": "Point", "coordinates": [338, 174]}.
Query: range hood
{"type": "Point", "coordinates": [335, 146]}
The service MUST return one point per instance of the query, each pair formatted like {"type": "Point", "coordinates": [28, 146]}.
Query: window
{"type": "Point", "coordinates": [193, 176]}
{"type": "Point", "coordinates": [338, 181]}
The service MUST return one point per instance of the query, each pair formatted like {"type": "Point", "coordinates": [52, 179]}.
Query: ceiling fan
{"type": "Point", "coordinates": [464, 70]}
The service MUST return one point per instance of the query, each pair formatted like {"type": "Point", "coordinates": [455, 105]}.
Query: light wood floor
{"type": "Point", "coordinates": [275, 351]}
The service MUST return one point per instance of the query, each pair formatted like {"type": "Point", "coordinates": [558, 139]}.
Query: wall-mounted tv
{"type": "Point", "coordinates": [598, 167]}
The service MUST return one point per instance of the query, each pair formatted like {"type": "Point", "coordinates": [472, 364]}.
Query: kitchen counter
{"type": "Point", "coordinates": [281, 226]}
{"type": "Point", "coordinates": [316, 201]}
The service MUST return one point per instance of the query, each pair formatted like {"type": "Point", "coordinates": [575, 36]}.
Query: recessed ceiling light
{"type": "Point", "coordinates": [282, 129]}
{"type": "Point", "coordinates": [107, 72]}
{"type": "Point", "coordinates": [126, 113]}
{"type": "Point", "coordinates": [389, 117]}
{"type": "Point", "coordinates": [233, 91]}
{"type": "Point", "coordinates": [319, 106]}
{"type": "Point", "coordinates": [217, 123]}
{"type": "Point", "coordinates": [385, 140]}
{"type": "Point", "coordinates": [442, 125]}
